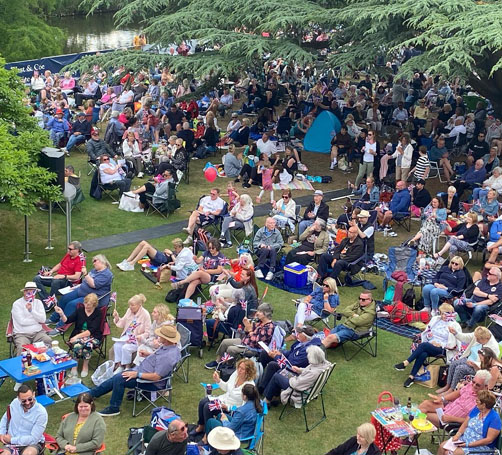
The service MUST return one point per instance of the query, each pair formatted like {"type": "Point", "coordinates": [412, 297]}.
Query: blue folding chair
{"type": "Point", "coordinates": [255, 442]}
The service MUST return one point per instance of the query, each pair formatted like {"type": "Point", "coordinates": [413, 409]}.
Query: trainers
{"type": "Point", "coordinates": [332, 166]}
{"type": "Point", "coordinates": [109, 411]}
{"type": "Point", "coordinates": [211, 365]}
{"type": "Point", "coordinates": [227, 244]}
{"type": "Point", "coordinates": [258, 274]}
{"type": "Point", "coordinates": [246, 185]}
{"type": "Point", "coordinates": [127, 267]}
{"type": "Point", "coordinates": [140, 175]}
{"type": "Point", "coordinates": [188, 241]}
{"type": "Point", "coordinates": [409, 382]}
{"type": "Point", "coordinates": [54, 333]}
{"type": "Point", "coordinates": [17, 385]}
{"type": "Point", "coordinates": [399, 366]}
{"type": "Point", "coordinates": [270, 276]}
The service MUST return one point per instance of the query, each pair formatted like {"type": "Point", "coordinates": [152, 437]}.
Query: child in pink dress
{"type": "Point", "coordinates": [267, 180]}
{"type": "Point", "coordinates": [233, 196]}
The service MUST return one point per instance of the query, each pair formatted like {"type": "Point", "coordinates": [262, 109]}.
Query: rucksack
{"type": "Point", "coordinates": [409, 298]}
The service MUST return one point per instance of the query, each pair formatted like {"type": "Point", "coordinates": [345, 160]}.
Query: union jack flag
{"type": "Point", "coordinates": [215, 405]}
{"type": "Point", "coordinates": [273, 346]}
{"type": "Point", "coordinates": [113, 297]}
{"type": "Point", "coordinates": [282, 361]}
{"type": "Point", "coordinates": [82, 258]}
{"type": "Point", "coordinates": [226, 357]}
{"type": "Point", "coordinates": [308, 309]}
{"type": "Point", "coordinates": [225, 261]}
{"type": "Point", "coordinates": [214, 291]}
{"type": "Point", "coordinates": [50, 301]}
{"type": "Point", "coordinates": [30, 296]}
{"type": "Point", "coordinates": [244, 304]}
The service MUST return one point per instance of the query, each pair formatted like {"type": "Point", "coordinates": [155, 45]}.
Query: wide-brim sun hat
{"type": "Point", "coordinates": [30, 285]}
{"type": "Point", "coordinates": [169, 333]}
{"type": "Point", "coordinates": [222, 438]}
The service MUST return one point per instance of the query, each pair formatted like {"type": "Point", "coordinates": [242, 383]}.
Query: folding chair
{"type": "Point", "coordinates": [367, 342]}
{"type": "Point", "coordinates": [311, 394]}
{"type": "Point", "coordinates": [105, 329]}
{"type": "Point", "coordinates": [106, 188]}
{"type": "Point", "coordinates": [9, 334]}
{"type": "Point", "coordinates": [167, 206]}
{"type": "Point", "coordinates": [255, 442]}
{"type": "Point", "coordinates": [151, 393]}
{"type": "Point", "coordinates": [213, 225]}
{"type": "Point", "coordinates": [286, 231]}
{"type": "Point", "coordinates": [181, 370]}
{"type": "Point", "coordinates": [403, 219]}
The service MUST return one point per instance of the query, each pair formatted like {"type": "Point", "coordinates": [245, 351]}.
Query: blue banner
{"type": "Point", "coordinates": [54, 64]}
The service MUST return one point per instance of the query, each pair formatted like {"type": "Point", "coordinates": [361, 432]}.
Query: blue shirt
{"type": "Point", "coordinates": [400, 202]}
{"type": "Point", "coordinates": [318, 302]}
{"type": "Point", "coordinates": [26, 428]}
{"type": "Point", "coordinates": [297, 355]}
{"type": "Point", "coordinates": [243, 420]}
{"type": "Point", "coordinates": [161, 362]}
{"type": "Point", "coordinates": [102, 283]}
{"type": "Point", "coordinates": [492, 420]}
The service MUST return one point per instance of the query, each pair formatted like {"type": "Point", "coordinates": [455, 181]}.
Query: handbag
{"type": "Point", "coordinates": [163, 275]}
{"type": "Point", "coordinates": [129, 202]}
{"type": "Point", "coordinates": [428, 376]}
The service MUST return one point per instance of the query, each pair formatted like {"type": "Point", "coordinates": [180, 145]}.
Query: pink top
{"type": "Point", "coordinates": [142, 318]}
{"type": "Point", "coordinates": [67, 84]}
{"type": "Point", "coordinates": [231, 198]}
{"type": "Point", "coordinates": [463, 404]}
{"type": "Point", "coordinates": [266, 179]}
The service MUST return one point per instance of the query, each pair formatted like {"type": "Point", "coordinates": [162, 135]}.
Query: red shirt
{"type": "Point", "coordinates": [70, 266]}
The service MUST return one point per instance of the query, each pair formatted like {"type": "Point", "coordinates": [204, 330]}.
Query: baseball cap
{"type": "Point", "coordinates": [94, 131]}
{"type": "Point", "coordinates": [59, 111]}
{"type": "Point", "coordinates": [421, 181]}
{"type": "Point", "coordinates": [234, 114]}
{"type": "Point", "coordinates": [80, 114]}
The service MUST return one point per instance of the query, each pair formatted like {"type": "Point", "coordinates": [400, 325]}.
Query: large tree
{"type": "Point", "coordinates": [22, 181]}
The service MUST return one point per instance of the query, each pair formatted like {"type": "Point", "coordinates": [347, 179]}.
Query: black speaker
{"type": "Point", "coordinates": [52, 159]}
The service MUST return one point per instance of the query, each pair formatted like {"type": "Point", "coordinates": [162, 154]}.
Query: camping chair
{"type": "Point", "coordinates": [314, 322]}
{"type": "Point", "coordinates": [180, 369]}
{"type": "Point", "coordinates": [151, 393]}
{"type": "Point", "coordinates": [286, 231]}
{"type": "Point", "coordinates": [105, 329]}
{"type": "Point", "coordinates": [107, 188]}
{"type": "Point", "coordinates": [9, 334]}
{"type": "Point", "coordinates": [146, 434]}
{"type": "Point", "coordinates": [52, 446]}
{"type": "Point", "coordinates": [311, 394]}
{"type": "Point", "coordinates": [255, 442]}
{"type": "Point", "coordinates": [403, 219]}
{"type": "Point", "coordinates": [367, 342]}
{"type": "Point", "coordinates": [213, 225]}
{"type": "Point", "coordinates": [167, 206]}
{"type": "Point", "coordinates": [435, 171]}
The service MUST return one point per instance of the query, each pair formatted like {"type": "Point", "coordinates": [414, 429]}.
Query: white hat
{"type": "Point", "coordinates": [30, 285]}
{"type": "Point", "coordinates": [318, 193]}
{"type": "Point", "coordinates": [222, 438]}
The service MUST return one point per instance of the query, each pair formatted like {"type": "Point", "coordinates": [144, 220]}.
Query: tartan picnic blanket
{"type": "Point", "coordinates": [401, 330]}
{"type": "Point", "coordinates": [295, 184]}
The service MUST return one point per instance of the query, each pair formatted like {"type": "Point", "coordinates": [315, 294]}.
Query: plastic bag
{"type": "Point", "coordinates": [103, 372]}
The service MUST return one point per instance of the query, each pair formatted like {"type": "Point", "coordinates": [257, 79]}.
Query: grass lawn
{"type": "Point", "coordinates": [353, 388]}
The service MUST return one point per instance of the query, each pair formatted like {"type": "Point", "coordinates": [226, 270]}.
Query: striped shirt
{"type": "Point", "coordinates": [422, 164]}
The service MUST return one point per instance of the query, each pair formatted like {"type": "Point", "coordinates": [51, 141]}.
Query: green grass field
{"type": "Point", "coordinates": [353, 388]}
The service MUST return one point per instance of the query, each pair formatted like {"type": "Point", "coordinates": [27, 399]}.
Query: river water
{"type": "Point", "coordinates": [93, 33]}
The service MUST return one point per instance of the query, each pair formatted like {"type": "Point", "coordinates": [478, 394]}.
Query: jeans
{"type": "Point", "coordinates": [471, 315]}
{"type": "Point", "coordinates": [304, 224]}
{"type": "Point", "coordinates": [268, 373]}
{"type": "Point", "coordinates": [277, 383]}
{"type": "Point", "coordinates": [344, 333]}
{"type": "Point", "coordinates": [420, 354]}
{"type": "Point", "coordinates": [56, 137]}
{"type": "Point", "coordinates": [477, 193]}
{"type": "Point", "coordinates": [264, 254]}
{"type": "Point", "coordinates": [118, 384]}
{"type": "Point", "coordinates": [69, 304]}
{"type": "Point", "coordinates": [225, 228]}
{"type": "Point", "coordinates": [74, 140]}
{"type": "Point", "coordinates": [457, 370]}
{"type": "Point", "coordinates": [55, 285]}
{"type": "Point", "coordinates": [204, 412]}
{"type": "Point", "coordinates": [325, 263]}
{"type": "Point", "coordinates": [432, 294]}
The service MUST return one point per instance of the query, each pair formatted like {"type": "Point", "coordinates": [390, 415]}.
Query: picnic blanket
{"type": "Point", "coordinates": [406, 331]}
{"type": "Point", "coordinates": [295, 184]}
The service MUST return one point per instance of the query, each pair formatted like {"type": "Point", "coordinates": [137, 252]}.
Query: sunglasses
{"type": "Point", "coordinates": [95, 260]}
{"type": "Point", "coordinates": [71, 249]}
{"type": "Point", "coordinates": [106, 159]}
{"type": "Point", "coordinates": [454, 263]}
{"type": "Point", "coordinates": [370, 134]}
{"type": "Point", "coordinates": [360, 298]}
{"type": "Point", "coordinates": [285, 197]}
{"type": "Point", "coordinates": [27, 400]}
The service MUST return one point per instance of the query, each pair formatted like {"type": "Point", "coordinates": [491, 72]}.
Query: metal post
{"type": "Point", "coordinates": [26, 241]}
{"type": "Point", "coordinates": [68, 221]}
{"type": "Point", "coordinates": [49, 229]}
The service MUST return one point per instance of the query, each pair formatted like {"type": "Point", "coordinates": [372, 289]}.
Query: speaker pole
{"type": "Point", "coordinates": [26, 241]}
{"type": "Point", "coordinates": [68, 221]}
{"type": "Point", "coordinates": [49, 229]}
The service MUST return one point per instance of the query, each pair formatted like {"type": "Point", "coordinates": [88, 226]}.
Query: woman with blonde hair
{"type": "Point", "coordinates": [469, 362]}
{"type": "Point", "coordinates": [319, 304]}
{"type": "Point", "coordinates": [148, 342]}
{"type": "Point", "coordinates": [134, 323]}
{"type": "Point", "coordinates": [466, 234]}
{"type": "Point", "coordinates": [361, 444]}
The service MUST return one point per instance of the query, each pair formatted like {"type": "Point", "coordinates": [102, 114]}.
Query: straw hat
{"type": "Point", "coordinates": [169, 333]}
{"type": "Point", "coordinates": [30, 285]}
{"type": "Point", "coordinates": [222, 438]}
{"type": "Point", "coordinates": [363, 214]}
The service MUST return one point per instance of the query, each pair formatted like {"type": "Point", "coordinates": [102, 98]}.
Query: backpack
{"type": "Point", "coordinates": [201, 239]}
{"type": "Point", "coordinates": [409, 298]}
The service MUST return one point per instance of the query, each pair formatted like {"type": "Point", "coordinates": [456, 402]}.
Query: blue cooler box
{"type": "Point", "coordinates": [295, 275]}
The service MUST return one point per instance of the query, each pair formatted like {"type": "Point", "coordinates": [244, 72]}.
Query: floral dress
{"type": "Point", "coordinates": [431, 228]}
{"type": "Point", "coordinates": [474, 432]}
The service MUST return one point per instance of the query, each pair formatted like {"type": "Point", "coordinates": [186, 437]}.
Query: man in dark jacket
{"type": "Point", "coordinates": [81, 130]}
{"type": "Point", "coordinates": [316, 209]}
{"type": "Point", "coordinates": [420, 196]}
{"type": "Point", "coordinates": [350, 249]}
{"type": "Point", "coordinates": [475, 175]}
{"type": "Point", "coordinates": [478, 146]}
{"type": "Point", "coordinates": [188, 136]}
{"type": "Point", "coordinates": [296, 355]}
{"type": "Point", "coordinates": [96, 147]}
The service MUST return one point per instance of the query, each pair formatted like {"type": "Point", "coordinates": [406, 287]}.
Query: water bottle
{"type": "Point", "coordinates": [209, 390]}
{"type": "Point", "coordinates": [199, 301]}
{"type": "Point", "coordinates": [385, 232]}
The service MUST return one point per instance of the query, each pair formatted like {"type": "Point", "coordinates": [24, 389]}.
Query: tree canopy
{"type": "Point", "coordinates": [22, 181]}
{"type": "Point", "coordinates": [25, 35]}
{"type": "Point", "coordinates": [457, 38]}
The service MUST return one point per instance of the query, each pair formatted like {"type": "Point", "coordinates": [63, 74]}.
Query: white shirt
{"type": "Point", "coordinates": [126, 97]}
{"type": "Point", "coordinates": [25, 321]}
{"type": "Point", "coordinates": [233, 125]}
{"type": "Point", "coordinates": [368, 157]}
{"type": "Point", "coordinates": [233, 394]}
{"type": "Point", "coordinates": [208, 205]}
{"type": "Point", "coordinates": [268, 148]}
{"type": "Point", "coordinates": [107, 178]}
